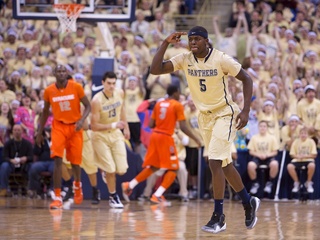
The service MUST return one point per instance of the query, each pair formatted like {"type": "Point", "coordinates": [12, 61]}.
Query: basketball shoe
{"type": "Point", "coordinates": [184, 199]}
{"type": "Point", "coordinates": [68, 193]}
{"type": "Point", "coordinates": [308, 185]}
{"type": "Point", "coordinates": [157, 200]}
{"type": "Point", "coordinates": [114, 201]}
{"type": "Point", "coordinates": [126, 191]}
{"type": "Point", "coordinates": [57, 203]}
{"type": "Point", "coordinates": [268, 187]}
{"type": "Point", "coordinates": [95, 196]}
{"type": "Point", "coordinates": [296, 187]}
{"type": "Point", "coordinates": [77, 191]}
{"type": "Point", "coordinates": [216, 224]}
{"type": "Point", "coordinates": [160, 200]}
{"type": "Point", "coordinates": [251, 209]}
{"type": "Point", "coordinates": [255, 187]}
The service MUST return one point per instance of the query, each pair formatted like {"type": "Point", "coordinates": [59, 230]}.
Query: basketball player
{"type": "Point", "coordinates": [180, 141]}
{"type": "Point", "coordinates": [161, 153]}
{"type": "Point", "coordinates": [87, 164]}
{"type": "Point", "coordinates": [107, 120]}
{"type": "Point", "coordinates": [206, 71]}
{"type": "Point", "coordinates": [64, 98]}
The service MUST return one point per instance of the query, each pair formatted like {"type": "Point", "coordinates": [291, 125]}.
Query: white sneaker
{"type": "Point", "coordinates": [296, 187]}
{"type": "Point", "coordinates": [115, 202]}
{"type": "Point", "coordinates": [52, 194]}
{"type": "Point", "coordinates": [254, 188]}
{"type": "Point", "coordinates": [184, 199]}
{"type": "Point", "coordinates": [268, 187]}
{"type": "Point", "coordinates": [309, 186]}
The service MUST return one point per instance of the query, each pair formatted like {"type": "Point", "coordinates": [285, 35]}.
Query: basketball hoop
{"type": "Point", "coordinates": [68, 15]}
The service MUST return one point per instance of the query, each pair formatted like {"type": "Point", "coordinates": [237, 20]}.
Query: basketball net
{"type": "Point", "coordinates": [68, 15]}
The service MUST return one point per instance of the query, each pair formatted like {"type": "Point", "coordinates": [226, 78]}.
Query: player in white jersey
{"type": "Point", "coordinates": [107, 120]}
{"type": "Point", "coordinates": [206, 71]}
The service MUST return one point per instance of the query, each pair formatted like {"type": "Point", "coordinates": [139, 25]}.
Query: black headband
{"type": "Point", "coordinates": [198, 31]}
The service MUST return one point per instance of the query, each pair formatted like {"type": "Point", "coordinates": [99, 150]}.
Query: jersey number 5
{"type": "Point", "coordinates": [203, 86]}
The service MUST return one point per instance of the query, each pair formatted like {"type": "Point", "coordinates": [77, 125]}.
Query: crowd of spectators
{"type": "Point", "coordinates": [278, 44]}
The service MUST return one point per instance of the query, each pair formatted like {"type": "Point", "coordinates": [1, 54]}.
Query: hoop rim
{"type": "Point", "coordinates": [68, 5]}
{"type": "Point", "coordinates": [68, 14]}
{"type": "Point", "coordinates": [70, 9]}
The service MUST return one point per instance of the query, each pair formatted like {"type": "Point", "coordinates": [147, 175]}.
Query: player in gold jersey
{"type": "Point", "coordinates": [206, 70]}
{"type": "Point", "coordinates": [108, 142]}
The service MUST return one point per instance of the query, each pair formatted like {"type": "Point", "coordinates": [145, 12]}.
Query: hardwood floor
{"type": "Point", "coordinates": [22, 218]}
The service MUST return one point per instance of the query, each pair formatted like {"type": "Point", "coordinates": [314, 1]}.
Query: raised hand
{"type": "Point", "coordinates": [175, 37]}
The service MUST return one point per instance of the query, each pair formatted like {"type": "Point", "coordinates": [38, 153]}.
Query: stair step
{"type": "Point", "coordinates": [205, 10]}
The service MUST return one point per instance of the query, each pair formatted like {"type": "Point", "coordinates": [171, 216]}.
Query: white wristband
{"type": "Point", "coordinates": [114, 125]}
{"type": "Point", "coordinates": [185, 140]}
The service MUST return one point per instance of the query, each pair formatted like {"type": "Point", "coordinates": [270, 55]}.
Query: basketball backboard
{"type": "Point", "coordinates": [95, 10]}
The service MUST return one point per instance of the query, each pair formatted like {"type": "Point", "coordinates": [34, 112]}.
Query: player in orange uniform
{"type": "Point", "coordinates": [64, 98]}
{"type": "Point", "coordinates": [161, 153]}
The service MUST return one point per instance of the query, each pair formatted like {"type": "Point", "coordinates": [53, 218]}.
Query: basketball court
{"type": "Point", "coordinates": [23, 218]}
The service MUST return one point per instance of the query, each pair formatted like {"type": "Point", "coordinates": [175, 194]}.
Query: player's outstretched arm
{"type": "Point", "coordinates": [158, 66]}
{"type": "Point", "coordinates": [185, 129]}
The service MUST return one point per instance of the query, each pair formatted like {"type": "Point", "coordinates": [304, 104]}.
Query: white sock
{"type": "Point", "coordinates": [160, 191]}
{"type": "Point", "coordinates": [133, 183]}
